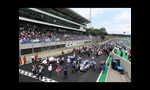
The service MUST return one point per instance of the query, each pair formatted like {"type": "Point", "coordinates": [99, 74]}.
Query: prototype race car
{"type": "Point", "coordinates": [85, 65]}
{"type": "Point", "coordinates": [102, 62]}
{"type": "Point", "coordinates": [51, 59]}
{"type": "Point", "coordinates": [99, 53]}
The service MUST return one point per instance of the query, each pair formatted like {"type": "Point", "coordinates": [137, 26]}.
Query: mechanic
{"type": "Point", "coordinates": [62, 57]}
{"type": "Point", "coordinates": [24, 59]}
{"type": "Point", "coordinates": [65, 73]}
{"type": "Point", "coordinates": [71, 59]}
{"type": "Point", "coordinates": [96, 54]}
{"type": "Point", "coordinates": [40, 61]}
{"type": "Point", "coordinates": [50, 70]}
{"type": "Point", "coordinates": [73, 67]}
{"type": "Point", "coordinates": [47, 61]}
{"type": "Point", "coordinates": [36, 59]}
{"type": "Point", "coordinates": [61, 67]}
{"type": "Point", "coordinates": [79, 59]}
{"type": "Point", "coordinates": [78, 68]}
{"type": "Point", "coordinates": [20, 61]}
{"type": "Point", "coordinates": [94, 65]}
{"type": "Point", "coordinates": [79, 51]}
{"type": "Point", "coordinates": [40, 72]}
{"type": "Point", "coordinates": [126, 51]}
{"type": "Point", "coordinates": [115, 51]}
{"type": "Point", "coordinates": [62, 53]}
{"type": "Point", "coordinates": [74, 56]}
{"type": "Point", "coordinates": [92, 58]}
{"type": "Point", "coordinates": [58, 62]}
{"type": "Point", "coordinates": [68, 61]}
{"type": "Point", "coordinates": [32, 57]}
{"type": "Point", "coordinates": [58, 70]}
{"type": "Point", "coordinates": [34, 69]}
{"type": "Point", "coordinates": [104, 67]}
{"type": "Point", "coordinates": [121, 54]}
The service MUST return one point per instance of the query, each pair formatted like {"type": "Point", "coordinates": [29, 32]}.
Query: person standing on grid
{"type": "Point", "coordinates": [62, 57]}
{"type": "Point", "coordinates": [50, 70]}
{"type": "Point", "coordinates": [40, 72]}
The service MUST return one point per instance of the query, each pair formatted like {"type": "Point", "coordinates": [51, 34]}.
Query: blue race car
{"type": "Point", "coordinates": [85, 65]}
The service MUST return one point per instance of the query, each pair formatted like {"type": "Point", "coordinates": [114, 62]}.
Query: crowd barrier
{"type": "Point", "coordinates": [26, 41]}
{"type": "Point", "coordinates": [36, 40]}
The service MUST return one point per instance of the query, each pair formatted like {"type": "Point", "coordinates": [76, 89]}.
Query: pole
{"type": "Point", "coordinates": [72, 43]}
{"type": "Point", "coordinates": [90, 19]}
{"type": "Point", "coordinates": [55, 44]}
{"type": "Point", "coordinates": [41, 46]}
{"type": "Point", "coordinates": [49, 46]}
{"type": "Point", "coordinates": [65, 44]}
{"type": "Point", "coordinates": [91, 40]}
{"type": "Point", "coordinates": [32, 47]}
{"type": "Point", "coordinates": [61, 45]}
{"type": "Point", "coordinates": [19, 49]}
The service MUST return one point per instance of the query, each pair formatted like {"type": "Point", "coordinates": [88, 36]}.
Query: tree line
{"type": "Point", "coordinates": [102, 33]}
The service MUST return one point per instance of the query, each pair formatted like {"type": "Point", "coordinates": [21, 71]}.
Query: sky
{"type": "Point", "coordinates": [115, 20]}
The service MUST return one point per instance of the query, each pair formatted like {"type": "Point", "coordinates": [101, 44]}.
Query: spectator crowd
{"type": "Point", "coordinates": [27, 32]}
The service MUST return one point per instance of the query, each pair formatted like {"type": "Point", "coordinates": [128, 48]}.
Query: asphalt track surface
{"type": "Point", "coordinates": [89, 76]}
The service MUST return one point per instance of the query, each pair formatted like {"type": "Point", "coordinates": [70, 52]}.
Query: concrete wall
{"type": "Point", "coordinates": [123, 63]}
{"type": "Point", "coordinates": [45, 44]}
{"type": "Point", "coordinates": [75, 43]}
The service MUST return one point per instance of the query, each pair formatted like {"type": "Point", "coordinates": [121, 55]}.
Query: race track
{"type": "Point", "coordinates": [89, 76]}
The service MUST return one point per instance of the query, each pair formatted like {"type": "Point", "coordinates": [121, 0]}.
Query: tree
{"type": "Point", "coordinates": [87, 31]}
{"type": "Point", "coordinates": [102, 37]}
{"type": "Point", "coordinates": [96, 32]}
{"type": "Point", "coordinates": [103, 31]}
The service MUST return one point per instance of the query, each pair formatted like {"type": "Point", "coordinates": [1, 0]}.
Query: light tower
{"type": "Point", "coordinates": [90, 19]}
{"type": "Point", "coordinates": [90, 25]}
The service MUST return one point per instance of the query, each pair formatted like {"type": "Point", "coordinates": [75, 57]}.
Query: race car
{"type": "Point", "coordinates": [99, 53]}
{"type": "Point", "coordinates": [102, 62]}
{"type": "Point", "coordinates": [51, 59]}
{"type": "Point", "coordinates": [85, 65]}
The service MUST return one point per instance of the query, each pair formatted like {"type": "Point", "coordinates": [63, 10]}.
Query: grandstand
{"type": "Point", "coordinates": [56, 27]}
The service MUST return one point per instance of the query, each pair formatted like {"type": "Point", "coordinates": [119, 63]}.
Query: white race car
{"type": "Point", "coordinates": [51, 59]}
{"type": "Point", "coordinates": [99, 52]}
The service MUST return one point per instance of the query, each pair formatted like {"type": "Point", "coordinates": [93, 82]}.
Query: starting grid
{"type": "Point", "coordinates": [29, 74]}
{"type": "Point", "coordinates": [45, 79]}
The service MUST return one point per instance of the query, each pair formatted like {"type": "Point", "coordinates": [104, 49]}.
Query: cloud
{"type": "Point", "coordinates": [123, 17]}
{"type": "Point", "coordinates": [119, 28]}
{"type": "Point", "coordinates": [85, 12]}
{"type": "Point", "coordinates": [119, 22]}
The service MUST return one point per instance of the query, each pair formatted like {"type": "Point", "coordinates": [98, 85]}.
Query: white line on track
{"type": "Point", "coordinates": [29, 74]}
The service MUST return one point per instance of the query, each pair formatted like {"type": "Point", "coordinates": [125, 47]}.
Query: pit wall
{"type": "Point", "coordinates": [45, 44]}
{"type": "Point", "coordinates": [123, 63]}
